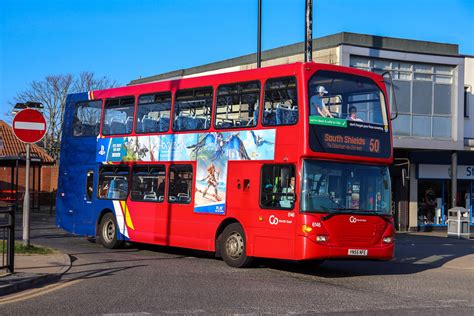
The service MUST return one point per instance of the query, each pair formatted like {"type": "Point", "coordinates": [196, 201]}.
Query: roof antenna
{"type": "Point", "coordinates": [308, 32]}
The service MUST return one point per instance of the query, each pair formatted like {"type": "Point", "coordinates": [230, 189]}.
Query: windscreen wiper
{"type": "Point", "coordinates": [347, 210]}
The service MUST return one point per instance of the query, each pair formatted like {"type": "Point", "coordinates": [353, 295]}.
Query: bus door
{"type": "Point", "coordinates": [266, 193]}
{"type": "Point", "coordinates": [83, 182]}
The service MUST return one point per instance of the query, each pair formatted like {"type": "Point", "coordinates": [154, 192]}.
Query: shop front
{"type": "Point", "coordinates": [434, 193]}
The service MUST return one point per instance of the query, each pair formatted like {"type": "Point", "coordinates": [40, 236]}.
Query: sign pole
{"type": "Point", "coordinates": [26, 201]}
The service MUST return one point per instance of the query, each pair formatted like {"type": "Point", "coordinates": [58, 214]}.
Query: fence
{"type": "Point", "coordinates": [7, 235]}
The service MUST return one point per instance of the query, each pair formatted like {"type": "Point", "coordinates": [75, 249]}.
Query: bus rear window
{"type": "Point", "coordinates": [86, 120]}
{"type": "Point", "coordinates": [118, 116]}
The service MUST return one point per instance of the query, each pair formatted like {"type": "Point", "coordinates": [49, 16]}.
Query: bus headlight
{"type": "Point", "coordinates": [387, 240]}
{"type": "Point", "coordinates": [322, 238]}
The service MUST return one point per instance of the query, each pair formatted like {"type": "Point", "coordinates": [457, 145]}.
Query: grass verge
{"type": "Point", "coordinates": [29, 250]}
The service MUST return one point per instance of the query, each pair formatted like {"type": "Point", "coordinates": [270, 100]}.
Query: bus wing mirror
{"type": "Point", "coordinates": [388, 75]}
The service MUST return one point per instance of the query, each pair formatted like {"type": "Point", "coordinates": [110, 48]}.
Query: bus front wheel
{"type": "Point", "coordinates": [108, 232]}
{"type": "Point", "coordinates": [233, 246]}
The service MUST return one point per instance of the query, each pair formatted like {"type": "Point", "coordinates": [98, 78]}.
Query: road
{"type": "Point", "coordinates": [430, 276]}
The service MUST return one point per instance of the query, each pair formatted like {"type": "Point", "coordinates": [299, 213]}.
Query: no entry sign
{"type": "Point", "coordinates": [29, 126]}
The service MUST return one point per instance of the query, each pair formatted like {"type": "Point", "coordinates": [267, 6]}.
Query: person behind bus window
{"type": "Point", "coordinates": [353, 114]}
{"type": "Point", "coordinates": [317, 106]}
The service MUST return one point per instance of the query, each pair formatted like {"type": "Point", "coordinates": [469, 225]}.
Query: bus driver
{"type": "Point", "coordinates": [317, 106]}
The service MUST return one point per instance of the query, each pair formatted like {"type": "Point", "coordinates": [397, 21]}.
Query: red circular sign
{"type": "Point", "coordinates": [29, 126]}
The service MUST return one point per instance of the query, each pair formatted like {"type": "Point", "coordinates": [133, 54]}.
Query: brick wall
{"type": "Point", "coordinates": [49, 178]}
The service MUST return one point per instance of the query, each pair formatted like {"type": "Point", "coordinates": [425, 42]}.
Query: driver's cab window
{"type": "Point", "coordinates": [113, 183]}
{"type": "Point", "coordinates": [277, 187]}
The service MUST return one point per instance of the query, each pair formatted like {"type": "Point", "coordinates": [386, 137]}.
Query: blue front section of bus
{"type": "Point", "coordinates": [75, 212]}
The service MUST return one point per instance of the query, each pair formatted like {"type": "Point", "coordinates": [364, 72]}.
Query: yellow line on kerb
{"type": "Point", "coordinates": [36, 292]}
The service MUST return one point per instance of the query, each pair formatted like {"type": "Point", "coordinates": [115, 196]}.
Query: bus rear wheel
{"type": "Point", "coordinates": [233, 246]}
{"type": "Point", "coordinates": [108, 232]}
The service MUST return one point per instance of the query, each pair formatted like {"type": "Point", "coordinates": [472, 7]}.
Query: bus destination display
{"type": "Point", "coordinates": [345, 137]}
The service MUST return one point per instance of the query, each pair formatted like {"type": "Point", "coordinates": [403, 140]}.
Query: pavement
{"type": "Point", "coordinates": [33, 271]}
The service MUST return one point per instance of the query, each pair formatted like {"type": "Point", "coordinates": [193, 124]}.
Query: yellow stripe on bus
{"type": "Point", "coordinates": [128, 218]}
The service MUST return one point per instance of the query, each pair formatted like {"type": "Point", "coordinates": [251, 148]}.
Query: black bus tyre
{"type": "Point", "coordinates": [233, 246]}
{"type": "Point", "coordinates": [108, 232]}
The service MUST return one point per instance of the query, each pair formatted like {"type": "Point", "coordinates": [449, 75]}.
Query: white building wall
{"type": "Point", "coordinates": [469, 84]}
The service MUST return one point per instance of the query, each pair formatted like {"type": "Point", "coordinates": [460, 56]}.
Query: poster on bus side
{"type": "Point", "coordinates": [211, 151]}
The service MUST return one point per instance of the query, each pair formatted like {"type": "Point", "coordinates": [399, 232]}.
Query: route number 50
{"type": "Point", "coordinates": [374, 145]}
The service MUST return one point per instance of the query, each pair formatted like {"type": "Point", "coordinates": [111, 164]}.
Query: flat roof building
{"type": "Point", "coordinates": [433, 89]}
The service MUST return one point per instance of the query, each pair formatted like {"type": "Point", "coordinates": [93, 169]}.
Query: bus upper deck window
{"type": "Point", "coordinates": [192, 109]}
{"type": "Point", "coordinates": [118, 116]}
{"type": "Point", "coordinates": [86, 120]}
{"type": "Point", "coordinates": [237, 105]}
{"type": "Point", "coordinates": [281, 102]}
{"type": "Point", "coordinates": [346, 96]}
{"type": "Point", "coordinates": [153, 113]}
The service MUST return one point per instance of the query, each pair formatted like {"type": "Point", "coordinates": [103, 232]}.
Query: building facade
{"type": "Point", "coordinates": [434, 130]}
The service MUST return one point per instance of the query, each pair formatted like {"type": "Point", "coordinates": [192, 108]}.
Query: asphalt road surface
{"type": "Point", "coordinates": [429, 277]}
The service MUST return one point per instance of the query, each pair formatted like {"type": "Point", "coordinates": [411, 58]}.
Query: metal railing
{"type": "Point", "coordinates": [7, 235]}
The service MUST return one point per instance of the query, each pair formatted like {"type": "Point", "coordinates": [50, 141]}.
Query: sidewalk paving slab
{"type": "Point", "coordinates": [32, 271]}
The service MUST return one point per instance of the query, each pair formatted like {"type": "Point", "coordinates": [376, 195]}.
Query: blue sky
{"type": "Point", "coordinates": [126, 39]}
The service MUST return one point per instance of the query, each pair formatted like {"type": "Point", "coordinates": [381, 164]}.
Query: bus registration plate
{"type": "Point", "coordinates": [357, 252]}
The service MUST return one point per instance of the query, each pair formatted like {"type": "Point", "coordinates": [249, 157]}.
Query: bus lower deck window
{"type": "Point", "coordinates": [148, 183]}
{"type": "Point", "coordinates": [180, 183]}
{"type": "Point", "coordinates": [113, 183]}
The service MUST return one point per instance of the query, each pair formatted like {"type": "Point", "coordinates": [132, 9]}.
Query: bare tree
{"type": "Point", "coordinates": [52, 92]}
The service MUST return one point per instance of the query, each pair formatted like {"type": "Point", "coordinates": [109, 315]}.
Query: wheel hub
{"type": "Point", "coordinates": [109, 231]}
{"type": "Point", "coordinates": [234, 245]}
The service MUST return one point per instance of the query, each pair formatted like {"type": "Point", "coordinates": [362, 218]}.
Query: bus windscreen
{"type": "Point", "coordinates": [330, 187]}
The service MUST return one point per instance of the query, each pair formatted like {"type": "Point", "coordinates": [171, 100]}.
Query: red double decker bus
{"type": "Point", "coordinates": [287, 162]}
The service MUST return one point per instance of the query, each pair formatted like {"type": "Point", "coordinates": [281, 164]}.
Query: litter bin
{"type": "Point", "coordinates": [458, 223]}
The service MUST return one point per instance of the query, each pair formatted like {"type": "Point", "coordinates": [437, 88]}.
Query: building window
{"type": "Point", "coordinates": [237, 105]}
{"type": "Point", "coordinates": [153, 113]}
{"type": "Point", "coordinates": [86, 120]}
{"type": "Point", "coordinates": [180, 183]}
{"type": "Point", "coordinates": [118, 116]}
{"type": "Point", "coordinates": [277, 187]}
{"type": "Point", "coordinates": [281, 102]}
{"type": "Point", "coordinates": [466, 102]}
{"type": "Point", "coordinates": [148, 183]}
{"type": "Point", "coordinates": [192, 109]}
{"type": "Point", "coordinates": [113, 183]}
{"type": "Point", "coordinates": [424, 94]}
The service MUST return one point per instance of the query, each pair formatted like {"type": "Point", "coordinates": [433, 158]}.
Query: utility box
{"type": "Point", "coordinates": [458, 223]}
